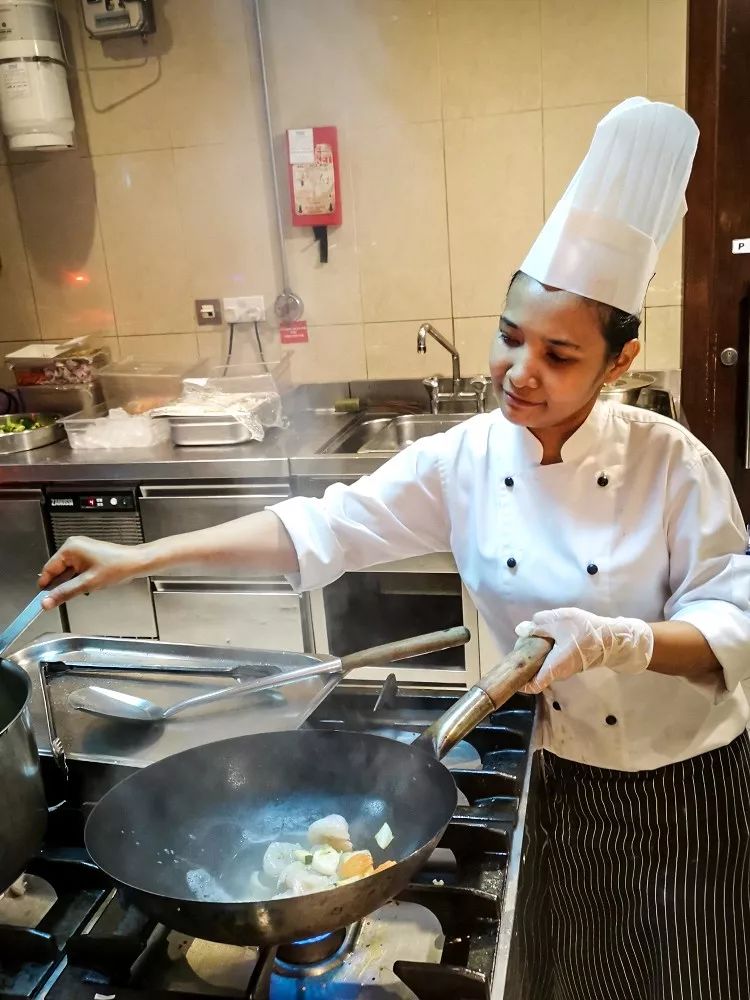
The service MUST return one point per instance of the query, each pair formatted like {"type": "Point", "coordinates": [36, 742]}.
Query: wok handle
{"type": "Point", "coordinates": [404, 649]}
{"type": "Point", "coordinates": [491, 693]}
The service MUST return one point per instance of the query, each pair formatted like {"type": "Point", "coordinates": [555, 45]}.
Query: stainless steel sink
{"type": "Point", "coordinates": [387, 435]}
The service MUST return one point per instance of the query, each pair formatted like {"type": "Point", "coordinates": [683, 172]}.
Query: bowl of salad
{"type": "Point", "coordinates": [24, 431]}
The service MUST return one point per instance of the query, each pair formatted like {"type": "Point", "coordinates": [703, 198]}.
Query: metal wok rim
{"type": "Point", "coordinates": [404, 748]}
{"type": "Point", "coordinates": [21, 675]}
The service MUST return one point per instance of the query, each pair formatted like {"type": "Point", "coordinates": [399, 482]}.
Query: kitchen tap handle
{"type": "Point", "coordinates": [432, 385]}
{"type": "Point", "coordinates": [480, 384]}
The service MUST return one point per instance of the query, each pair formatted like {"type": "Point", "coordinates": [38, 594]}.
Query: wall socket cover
{"type": "Point", "coordinates": [244, 309]}
{"type": "Point", "coordinates": [208, 312]}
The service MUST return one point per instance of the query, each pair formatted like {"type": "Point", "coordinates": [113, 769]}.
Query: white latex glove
{"type": "Point", "coordinates": [582, 640]}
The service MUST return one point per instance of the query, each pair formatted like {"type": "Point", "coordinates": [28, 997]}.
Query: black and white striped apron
{"type": "Point", "coordinates": [638, 885]}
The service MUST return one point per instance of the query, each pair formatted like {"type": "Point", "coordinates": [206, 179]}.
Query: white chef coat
{"type": "Point", "coordinates": [638, 520]}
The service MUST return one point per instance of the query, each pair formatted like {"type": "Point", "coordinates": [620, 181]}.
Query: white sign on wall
{"type": "Point", "coordinates": [741, 246]}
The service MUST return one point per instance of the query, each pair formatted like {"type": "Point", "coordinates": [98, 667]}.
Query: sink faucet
{"type": "Point", "coordinates": [422, 333]}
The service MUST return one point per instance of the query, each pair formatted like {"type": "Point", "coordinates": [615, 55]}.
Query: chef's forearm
{"type": "Point", "coordinates": [259, 543]}
{"type": "Point", "coordinates": [680, 649]}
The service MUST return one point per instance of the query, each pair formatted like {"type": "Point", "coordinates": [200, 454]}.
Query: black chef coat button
{"type": "Point", "coordinates": [592, 569]}
{"type": "Point", "coordinates": [511, 563]}
{"type": "Point", "coordinates": [611, 720]}
{"type": "Point", "coordinates": [509, 481]}
{"type": "Point", "coordinates": [602, 480]}
{"type": "Point", "coordinates": [556, 706]}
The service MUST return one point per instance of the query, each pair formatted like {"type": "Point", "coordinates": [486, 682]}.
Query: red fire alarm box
{"type": "Point", "coordinates": [314, 186]}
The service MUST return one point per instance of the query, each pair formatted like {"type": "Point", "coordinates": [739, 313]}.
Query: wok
{"type": "Point", "coordinates": [213, 810]}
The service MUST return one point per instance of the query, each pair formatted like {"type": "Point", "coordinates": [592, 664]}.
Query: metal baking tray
{"type": "Point", "coordinates": [27, 440]}
{"type": "Point", "coordinates": [165, 673]}
{"type": "Point", "coordinates": [208, 431]}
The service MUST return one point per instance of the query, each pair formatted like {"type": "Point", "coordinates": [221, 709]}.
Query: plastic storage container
{"type": "Point", "coordinates": [97, 431]}
{"type": "Point", "coordinates": [140, 386]}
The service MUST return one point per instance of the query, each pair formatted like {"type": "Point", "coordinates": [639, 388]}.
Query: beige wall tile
{"type": "Point", "coordinates": [490, 57]}
{"type": "Point", "coordinates": [57, 203]}
{"type": "Point", "coordinates": [212, 74]}
{"type": "Point", "coordinates": [567, 136]}
{"type": "Point", "coordinates": [667, 46]}
{"type": "Point", "coordinates": [226, 222]}
{"type": "Point", "coordinates": [494, 175]}
{"type": "Point", "coordinates": [392, 350]}
{"type": "Point", "coordinates": [332, 354]}
{"type": "Point", "coordinates": [663, 337]}
{"type": "Point", "coordinates": [192, 83]}
{"type": "Point", "coordinates": [18, 318]}
{"type": "Point", "coordinates": [331, 292]}
{"type": "Point", "coordinates": [167, 347]}
{"type": "Point", "coordinates": [124, 109]}
{"type": "Point", "coordinates": [213, 345]}
{"type": "Point", "coordinates": [399, 191]}
{"type": "Point", "coordinates": [593, 50]}
{"type": "Point", "coordinates": [144, 243]}
{"type": "Point", "coordinates": [666, 287]}
{"type": "Point", "coordinates": [375, 62]}
{"type": "Point", "coordinates": [474, 336]}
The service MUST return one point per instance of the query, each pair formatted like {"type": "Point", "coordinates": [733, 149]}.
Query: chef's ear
{"type": "Point", "coordinates": [624, 360]}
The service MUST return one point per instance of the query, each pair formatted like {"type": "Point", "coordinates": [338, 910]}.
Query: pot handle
{"type": "Point", "coordinates": [491, 693]}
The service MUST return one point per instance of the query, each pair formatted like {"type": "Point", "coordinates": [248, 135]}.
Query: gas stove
{"type": "Point", "coordinates": [72, 935]}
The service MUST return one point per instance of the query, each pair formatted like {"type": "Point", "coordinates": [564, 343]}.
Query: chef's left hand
{"type": "Point", "coordinates": [583, 640]}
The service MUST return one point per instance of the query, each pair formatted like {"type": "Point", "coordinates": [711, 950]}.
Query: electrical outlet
{"type": "Point", "coordinates": [244, 309]}
{"type": "Point", "coordinates": [208, 312]}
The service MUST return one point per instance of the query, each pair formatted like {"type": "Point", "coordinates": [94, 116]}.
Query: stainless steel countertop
{"type": "Point", "coordinates": [269, 459]}
{"type": "Point", "coordinates": [284, 453]}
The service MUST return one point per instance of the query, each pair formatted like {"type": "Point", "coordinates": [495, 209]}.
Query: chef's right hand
{"type": "Point", "coordinates": [96, 565]}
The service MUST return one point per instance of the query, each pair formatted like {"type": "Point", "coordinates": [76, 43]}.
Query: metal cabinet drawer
{"type": "Point", "coordinates": [263, 615]}
{"type": "Point", "coordinates": [171, 510]}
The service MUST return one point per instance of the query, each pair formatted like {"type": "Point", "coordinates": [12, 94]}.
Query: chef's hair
{"type": "Point", "coordinates": [618, 327]}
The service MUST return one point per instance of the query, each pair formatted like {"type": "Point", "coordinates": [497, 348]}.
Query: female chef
{"type": "Point", "coordinates": [610, 530]}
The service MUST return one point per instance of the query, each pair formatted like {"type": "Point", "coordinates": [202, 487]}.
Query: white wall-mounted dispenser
{"type": "Point", "coordinates": [34, 100]}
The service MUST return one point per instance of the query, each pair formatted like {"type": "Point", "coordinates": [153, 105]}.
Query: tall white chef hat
{"type": "Point", "coordinates": [604, 235]}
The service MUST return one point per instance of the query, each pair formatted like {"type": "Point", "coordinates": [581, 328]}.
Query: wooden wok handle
{"type": "Point", "coordinates": [403, 649]}
{"type": "Point", "coordinates": [491, 693]}
{"type": "Point", "coordinates": [517, 669]}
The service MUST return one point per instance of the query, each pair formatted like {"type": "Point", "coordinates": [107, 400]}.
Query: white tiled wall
{"type": "Point", "coordinates": [460, 122]}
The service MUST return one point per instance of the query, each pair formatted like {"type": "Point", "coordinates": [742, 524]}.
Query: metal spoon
{"type": "Point", "coordinates": [131, 708]}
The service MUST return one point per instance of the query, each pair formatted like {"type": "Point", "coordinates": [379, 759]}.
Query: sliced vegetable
{"type": "Point", "coordinates": [384, 836]}
{"type": "Point", "coordinates": [386, 864]}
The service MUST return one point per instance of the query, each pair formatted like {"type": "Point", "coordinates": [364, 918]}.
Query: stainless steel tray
{"type": "Point", "coordinates": [27, 440]}
{"type": "Point", "coordinates": [165, 673]}
{"type": "Point", "coordinates": [208, 431]}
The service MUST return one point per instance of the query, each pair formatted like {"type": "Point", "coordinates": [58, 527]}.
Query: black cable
{"type": "Point", "coordinates": [260, 345]}
{"type": "Point", "coordinates": [230, 348]}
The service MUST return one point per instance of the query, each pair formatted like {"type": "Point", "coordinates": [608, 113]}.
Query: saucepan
{"type": "Point", "coordinates": [23, 814]}
{"type": "Point", "coordinates": [627, 388]}
{"type": "Point", "coordinates": [185, 835]}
